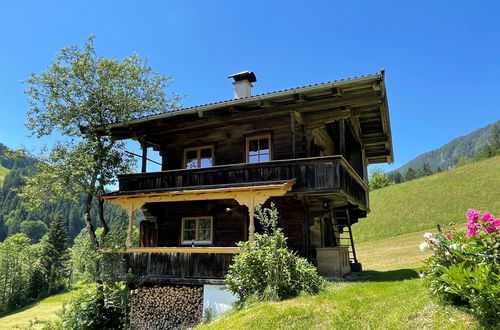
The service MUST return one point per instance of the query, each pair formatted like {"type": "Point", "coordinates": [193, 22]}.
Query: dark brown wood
{"type": "Point", "coordinates": [179, 265]}
{"type": "Point", "coordinates": [313, 175]}
{"type": "Point", "coordinates": [144, 157]}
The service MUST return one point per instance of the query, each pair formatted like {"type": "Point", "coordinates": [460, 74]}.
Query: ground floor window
{"type": "Point", "coordinates": [197, 230]}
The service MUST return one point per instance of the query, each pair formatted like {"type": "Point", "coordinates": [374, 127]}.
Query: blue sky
{"type": "Point", "coordinates": [442, 60]}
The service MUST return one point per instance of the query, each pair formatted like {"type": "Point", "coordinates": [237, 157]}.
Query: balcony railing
{"type": "Point", "coordinates": [330, 174]}
{"type": "Point", "coordinates": [180, 265]}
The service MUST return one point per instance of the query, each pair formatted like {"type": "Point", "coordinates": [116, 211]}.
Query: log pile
{"type": "Point", "coordinates": [166, 307]}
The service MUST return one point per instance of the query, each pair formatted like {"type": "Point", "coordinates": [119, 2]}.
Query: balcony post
{"type": "Point", "coordinates": [251, 211]}
{"type": "Point", "coordinates": [144, 147]}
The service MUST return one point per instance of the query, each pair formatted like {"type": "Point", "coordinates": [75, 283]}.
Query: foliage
{"type": "Point", "coordinates": [465, 268]}
{"type": "Point", "coordinates": [54, 260]}
{"type": "Point", "coordinates": [378, 179]}
{"type": "Point", "coordinates": [422, 204]}
{"type": "Point", "coordinates": [34, 230]}
{"type": "Point", "coordinates": [266, 269]}
{"type": "Point", "coordinates": [98, 306]}
{"type": "Point", "coordinates": [81, 90]}
{"type": "Point", "coordinates": [17, 265]}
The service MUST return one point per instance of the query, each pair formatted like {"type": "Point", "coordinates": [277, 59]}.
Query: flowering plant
{"type": "Point", "coordinates": [465, 268]}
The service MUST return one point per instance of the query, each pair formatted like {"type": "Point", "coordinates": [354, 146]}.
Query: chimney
{"type": "Point", "coordinates": [243, 84]}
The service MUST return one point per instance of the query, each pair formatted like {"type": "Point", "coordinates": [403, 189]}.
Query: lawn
{"type": "Point", "coordinates": [43, 310]}
{"type": "Point", "coordinates": [389, 295]}
{"type": "Point", "coordinates": [437, 199]}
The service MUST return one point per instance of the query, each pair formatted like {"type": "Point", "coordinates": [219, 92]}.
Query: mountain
{"type": "Point", "coordinates": [13, 212]}
{"type": "Point", "coordinates": [447, 156]}
{"type": "Point", "coordinates": [423, 203]}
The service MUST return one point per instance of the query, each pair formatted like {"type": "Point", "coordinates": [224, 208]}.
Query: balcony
{"type": "Point", "coordinates": [314, 176]}
{"type": "Point", "coordinates": [180, 265]}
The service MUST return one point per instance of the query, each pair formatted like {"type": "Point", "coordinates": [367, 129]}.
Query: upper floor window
{"type": "Point", "coordinates": [198, 157]}
{"type": "Point", "coordinates": [197, 230]}
{"type": "Point", "coordinates": [258, 148]}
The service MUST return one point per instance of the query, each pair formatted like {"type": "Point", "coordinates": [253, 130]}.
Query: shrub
{"type": "Point", "coordinates": [266, 269]}
{"type": "Point", "coordinates": [465, 267]}
{"type": "Point", "coordinates": [98, 306]}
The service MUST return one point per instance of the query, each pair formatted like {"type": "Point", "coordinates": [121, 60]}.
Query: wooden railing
{"type": "Point", "coordinates": [313, 175]}
{"type": "Point", "coordinates": [180, 265]}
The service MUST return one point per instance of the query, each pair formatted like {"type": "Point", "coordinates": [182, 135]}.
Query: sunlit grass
{"type": "Point", "coordinates": [389, 295]}
{"type": "Point", "coordinates": [438, 199]}
{"type": "Point", "coordinates": [3, 173]}
{"type": "Point", "coordinates": [43, 310]}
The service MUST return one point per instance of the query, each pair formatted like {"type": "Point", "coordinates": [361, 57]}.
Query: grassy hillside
{"type": "Point", "coordinates": [437, 199]}
{"type": "Point", "coordinates": [3, 173]}
{"type": "Point", "coordinates": [388, 296]}
{"type": "Point", "coordinates": [43, 310]}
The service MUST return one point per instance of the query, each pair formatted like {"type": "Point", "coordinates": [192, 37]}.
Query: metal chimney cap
{"type": "Point", "coordinates": [245, 75]}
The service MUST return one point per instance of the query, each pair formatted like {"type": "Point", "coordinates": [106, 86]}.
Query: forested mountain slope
{"type": "Point", "coordinates": [447, 156]}
{"type": "Point", "coordinates": [13, 212]}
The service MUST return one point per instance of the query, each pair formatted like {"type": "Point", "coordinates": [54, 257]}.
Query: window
{"type": "Point", "coordinates": [259, 148]}
{"type": "Point", "coordinates": [197, 230]}
{"type": "Point", "coordinates": [198, 157]}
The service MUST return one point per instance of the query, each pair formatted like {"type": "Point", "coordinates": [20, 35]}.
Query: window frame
{"type": "Point", "coordinates": [197, 231]}
{"type": "Point", "coordinates": [258, 137]}
{"type": "Point", "coordinates": [198, 154]}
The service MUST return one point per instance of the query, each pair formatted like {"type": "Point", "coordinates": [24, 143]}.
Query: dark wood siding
{"type": "Point", "coordinates": [230, 226]}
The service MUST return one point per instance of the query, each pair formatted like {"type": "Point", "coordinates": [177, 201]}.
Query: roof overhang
{"type": "Point", "coordinates": [364, 97]}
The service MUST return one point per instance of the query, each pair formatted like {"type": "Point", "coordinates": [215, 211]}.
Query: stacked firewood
{"type": "Point", "coordinates": [166, 307]}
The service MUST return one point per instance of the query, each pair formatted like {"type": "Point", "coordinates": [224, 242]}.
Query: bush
{"type": "Point", "coordinates": [98, 306]}
{"type": "Point", "coordinates": [266, 269]}
{"type": "Point", "coordinates": [465, 268]}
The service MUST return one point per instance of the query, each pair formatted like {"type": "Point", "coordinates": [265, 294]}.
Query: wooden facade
{"type": "Point", "coordinates": [304, 149]}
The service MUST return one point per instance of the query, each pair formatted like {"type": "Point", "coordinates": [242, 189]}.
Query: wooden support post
{"type": "Point", "coordinates": [342, 136]}
{"type": "Point", "coordinates": [292, 130]}
{"type": "Point", "coordinates": [144, 156]}
{"type": "Point", "coordinates": [251, 223]}
{"type": "Point", "coordinates": [131, 214]}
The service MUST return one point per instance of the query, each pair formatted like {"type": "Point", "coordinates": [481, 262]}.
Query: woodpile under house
{"type": "Point", "coordinates": [306, 149]}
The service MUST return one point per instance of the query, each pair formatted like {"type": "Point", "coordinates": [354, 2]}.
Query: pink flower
{"type": "Point", "coordinates": [491, 229]}
{"type": "Point", "coordinates": [473, 226]}
{"type": "Point", "coordinates": [470, 233]}
{"type": "Point", "coordinates": [496, 223]}
{"type": "Point", "coordinates": [448, 236]}
{"type": "Point", "coordinates": [487, 217]}
{"type": "Point", "coordinates": [473, 215]}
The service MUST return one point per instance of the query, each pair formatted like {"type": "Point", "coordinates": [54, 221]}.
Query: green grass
{"type": "Point", "coordinates": [438, 199]}
{"type": "Point", "coordinates": [389, 295]}
{"type": "Point", "coordinates": [3, 173]}
{"type": "Point", "coordinates": [43, 310]}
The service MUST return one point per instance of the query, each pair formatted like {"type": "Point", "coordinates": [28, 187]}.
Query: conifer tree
{"type": "Point", "coordinates": [55, 256]}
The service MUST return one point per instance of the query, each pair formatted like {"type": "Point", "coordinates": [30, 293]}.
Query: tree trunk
{"type": "Point", "coordinates": [102, 221]}
{"type": "Point", "coordinates": [88, 220]}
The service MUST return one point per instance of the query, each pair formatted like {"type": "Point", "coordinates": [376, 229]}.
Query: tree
{"type": "Point", "coordinates": [35, 230]}
{"type": "Point", "coordinates": [54, 259]}
{"type": "Point", "coordinates": [395, 176]}
{"type": "Point", "coordinates": [81, 90]}
{"type": "Point", "coordinates": [378, 179]}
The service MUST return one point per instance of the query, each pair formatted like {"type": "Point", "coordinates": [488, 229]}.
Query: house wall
{"type": "Point", "coordinates": [229, 227]}
{"type": "Point", "coordinates": [230, 141]}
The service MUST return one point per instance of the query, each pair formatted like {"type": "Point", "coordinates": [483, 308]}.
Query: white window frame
{"type": "Point", "coordinates": [198, 154]}
{"type": "Point", "coordinates": [197, 242]}
{"type": "Point", "coordinates": [258, 137]}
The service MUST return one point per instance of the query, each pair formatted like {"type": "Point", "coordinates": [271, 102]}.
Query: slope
{"type": "Point", "coordinates": [3, 173]}
{"type": "Point", "coordinates": [438, 199]}
{"type": "Point", "coordinates": [448, 155]}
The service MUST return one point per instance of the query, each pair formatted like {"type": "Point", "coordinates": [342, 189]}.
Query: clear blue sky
{"type": "Point", "coordinates": [442, 60]}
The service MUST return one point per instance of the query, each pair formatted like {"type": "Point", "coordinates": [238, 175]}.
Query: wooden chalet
{"type": "Point", "coordinates": [306, 149]}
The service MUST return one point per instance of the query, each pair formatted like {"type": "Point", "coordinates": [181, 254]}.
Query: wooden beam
{"type": "Point", "coordinates": [342, 136]}
{"type": "Point", "coordinates": [188, 250]}
{"type": "Point", "coordinates": [144, 156]}
{"type": "Point", "coordinates": [292, 132]}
